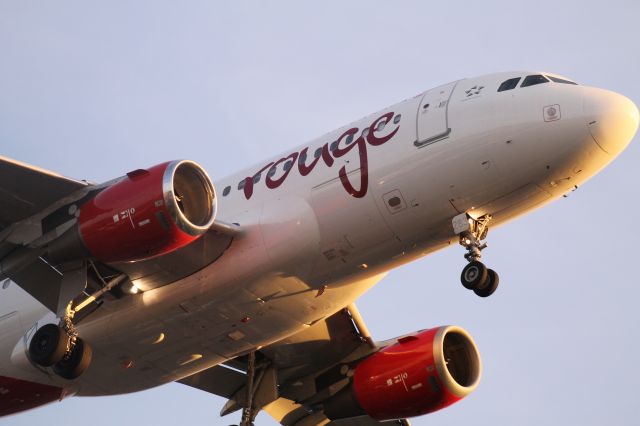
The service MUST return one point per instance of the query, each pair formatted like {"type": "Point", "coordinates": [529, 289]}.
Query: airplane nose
{"type": "Point", "coordinates": [611, 118]}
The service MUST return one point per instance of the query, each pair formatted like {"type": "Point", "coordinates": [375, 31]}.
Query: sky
{"type": "Point", "coordinates": [95, 89]}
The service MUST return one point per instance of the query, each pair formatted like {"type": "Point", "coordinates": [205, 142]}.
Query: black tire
{"type": "Point", "coordinates": [48, 345]}
{"type": "Point", "coordinates": [73, 366]}
{"type": "Point", "coordinates": [492, 284]}
{"type": "Point", "coordinates": [474, 275]}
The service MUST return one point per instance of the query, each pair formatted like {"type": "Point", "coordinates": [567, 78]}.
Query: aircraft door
{"type": "Point", "coordinates": [432, 122]}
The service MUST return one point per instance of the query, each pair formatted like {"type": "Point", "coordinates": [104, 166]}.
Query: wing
{"type": "Point", "coordinates": [307, 368]}
{"type": "Point", "coordinates": [35, 210]}
{"type": "Point", "coordinates": [26, 190]}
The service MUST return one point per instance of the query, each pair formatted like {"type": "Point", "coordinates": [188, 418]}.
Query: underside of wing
{"type": "Point", "coordinates": [297, 376]}
{"type": "Point", "coordinates": [63, 240]}
{"type": "Point", "coordinates": [25, 190]}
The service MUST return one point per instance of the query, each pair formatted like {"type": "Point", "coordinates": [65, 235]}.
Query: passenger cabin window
{"type": "Point", "coordinates": [302, 158]}
{"type": "Point", "coordinates": [226, 191]}
{"type": "Point", "coordinates": [509, 84]}
{"type": "Point", "coordinates": [560, 80]}
{"type": "Point", "coordinates": [532, 80]}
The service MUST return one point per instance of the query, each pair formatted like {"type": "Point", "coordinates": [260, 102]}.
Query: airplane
{"type": "Point", "coordinates": [247, 289]}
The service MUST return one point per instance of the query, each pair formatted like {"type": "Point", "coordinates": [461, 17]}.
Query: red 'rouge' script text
{"type": "Point", "coordinates": [328, 155]}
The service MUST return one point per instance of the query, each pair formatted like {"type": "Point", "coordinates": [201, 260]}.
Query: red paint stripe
{"type": "Point", "coordinates": [19, 395]}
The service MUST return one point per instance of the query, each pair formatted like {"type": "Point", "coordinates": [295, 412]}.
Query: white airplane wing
{"type": "Point", "coordinates": [25, 190]}
{"type": "Point", "coordinates": [35, 205]}
{"type": "Point", "coordinates": [307, 368]}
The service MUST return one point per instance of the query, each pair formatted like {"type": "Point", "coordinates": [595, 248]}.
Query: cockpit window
{"type": "Point", "coordinates": [509, 84]}
{"type": "Point", "coordinates": [532, 80]}
{"type": "Point", "coordinates": [560, 80]}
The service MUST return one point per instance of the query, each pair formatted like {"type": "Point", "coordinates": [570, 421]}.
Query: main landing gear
{"type": "Point", "coordinates": [249, 412]}
{"type": "Point", "coordinates": [475, 276]}
{"type": "Point", "coordinates": [61, 348]}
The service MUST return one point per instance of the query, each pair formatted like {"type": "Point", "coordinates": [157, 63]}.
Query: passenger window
{"type": "Point", "coordinates": [509, 84]}
{"type": "Point", "coordinates": [560, 80]}
{"type": "Point", "coordinates": [302, 158]}
{"type": "Point", "coordinates": [317, 152]}
{"type": "Point", "coordinates": [226, 191]}
{"type": "Point", "coordinates": [365, 132]}
{"type": "Point", "coordinates": [272, 171]}
{"type": "Point", "coordinates": [241, 185]}
{"type": "Point", "coordinates": [256, 178]}
{"type": "Point", "coordinates": [288, 165]}
{"type": "Point", "coordinates": [397, 119]}
{"type": "Point", "coordinates": [333, 146]}
{"type": "Point", "coordinates": [532, 80]}
{"type": "Point", "coordinates": [349, 139]}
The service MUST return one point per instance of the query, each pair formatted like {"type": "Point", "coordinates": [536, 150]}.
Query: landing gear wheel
{"type": "Point", "coordinates": [491, 285]}
{"type": "Point", "coordinates": [78, 360]}
{"type": "Point", "coordinates": [48, 345]}
{"type": "Point", "coordinates": [474, 275]}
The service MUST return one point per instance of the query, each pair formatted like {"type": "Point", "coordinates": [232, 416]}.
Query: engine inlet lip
{"type": "Point", "coordinates": [441, 365]}
{"type": "Point", "coordinates": [177, 216]}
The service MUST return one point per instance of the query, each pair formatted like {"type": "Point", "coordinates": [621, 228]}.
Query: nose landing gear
{"type": "Point", "coordinates": [475, 275]}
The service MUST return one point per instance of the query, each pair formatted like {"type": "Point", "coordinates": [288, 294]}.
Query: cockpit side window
{"type": "Point", "coordinates": [560, 80]}
{"type": "Point", "coordinates": [509, 84]}
{"type": "Point", "coordinates": [532, 80]}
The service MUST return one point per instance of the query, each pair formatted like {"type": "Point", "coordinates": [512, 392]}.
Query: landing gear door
{"type": "Point", "coordinates": [433, 123]}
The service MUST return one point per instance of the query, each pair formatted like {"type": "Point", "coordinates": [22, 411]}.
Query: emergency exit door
{"type": "Point", "coordinates": [433, 123]}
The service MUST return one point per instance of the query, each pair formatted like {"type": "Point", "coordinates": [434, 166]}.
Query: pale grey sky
{"type": "Point", "coordinates": [95, 89]}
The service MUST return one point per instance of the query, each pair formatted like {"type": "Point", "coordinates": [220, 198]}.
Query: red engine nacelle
{"type": "Point", "coordinates": [420, 374]}
{"type": "Point", "coordinates": [146, 213]}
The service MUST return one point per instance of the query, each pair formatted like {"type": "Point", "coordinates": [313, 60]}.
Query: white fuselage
{"type": "Point", "coordinates": [473, 150]}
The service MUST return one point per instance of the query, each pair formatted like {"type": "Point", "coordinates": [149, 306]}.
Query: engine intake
{"type": "Point", "coordinates": [189, 196]}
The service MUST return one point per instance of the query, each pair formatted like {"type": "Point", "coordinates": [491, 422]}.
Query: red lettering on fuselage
{"type": "Point", "coordinates": [343, 145]}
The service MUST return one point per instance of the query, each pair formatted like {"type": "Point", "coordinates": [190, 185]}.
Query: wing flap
{"type": "Point", "coordinates": [218, 380]}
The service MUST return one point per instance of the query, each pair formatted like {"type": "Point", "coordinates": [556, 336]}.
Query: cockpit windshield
{"type": "Point", "coordinates": [531, 80]}
{"type": "Point", "coordinates": [560, 80]}
{"type": "Point", "coordinates": [509, 84]}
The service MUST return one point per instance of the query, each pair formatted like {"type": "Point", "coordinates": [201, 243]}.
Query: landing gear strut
{"type": "Point", "coordinates": [60, 347]}
{"type": "Point", "coordinates": [475, 275]}
{"type": "Point", "coordinates": [248, 412]}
